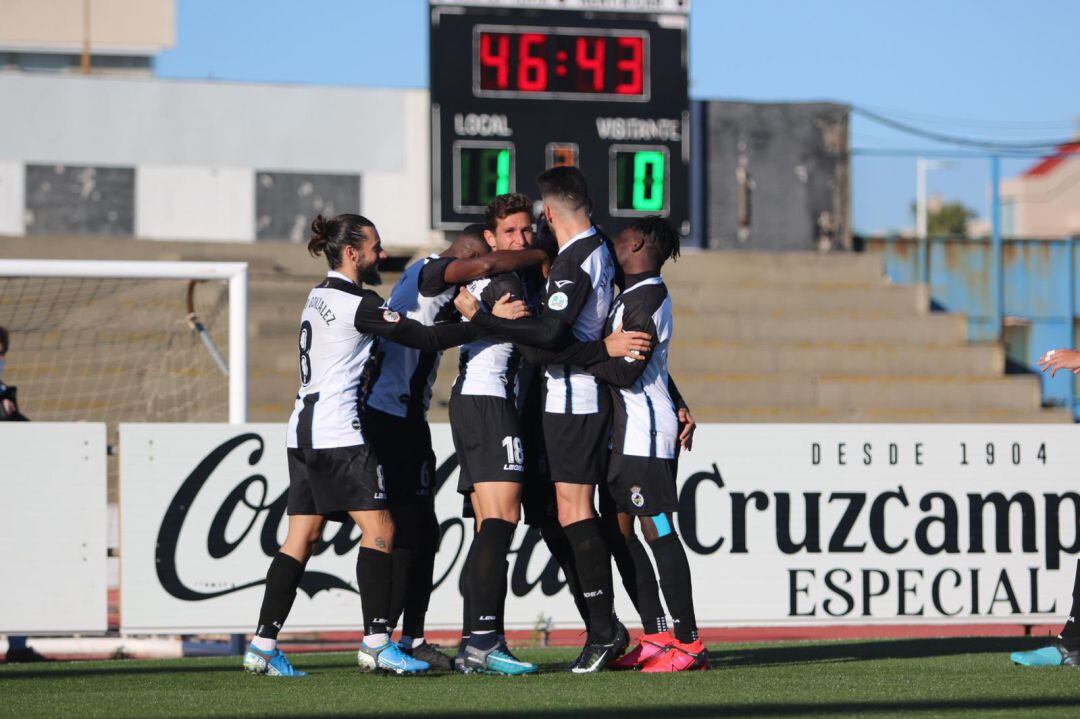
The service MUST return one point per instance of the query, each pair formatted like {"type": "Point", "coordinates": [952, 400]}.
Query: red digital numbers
{"type": "Point", "coordinates": [557, 63]}
{"type": "Point", "coordinates": [532, 65]}
{"type": "Point", "coordinates": [630, 65]}
{"type": "Point", "coordinates": [590, 62]}
{"type": "Point", "coordinates": [495, 60]}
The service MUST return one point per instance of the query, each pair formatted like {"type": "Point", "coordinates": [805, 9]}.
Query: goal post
{"type": "Point", "coordinates": [235, 274]}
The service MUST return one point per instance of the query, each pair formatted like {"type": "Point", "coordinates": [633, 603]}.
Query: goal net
{"type": "Point", "coordinates": [125, 341]}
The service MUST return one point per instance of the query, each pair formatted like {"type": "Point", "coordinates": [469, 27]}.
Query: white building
{"type": "Point", "coordinates": [121, 153]}
{"type": "Point", "coordinates": [1044, 202]}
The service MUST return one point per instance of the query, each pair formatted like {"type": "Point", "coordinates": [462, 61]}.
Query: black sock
{"type": "Point", "coordinates": [594, 571]}
{"type": "Point", "coordinates": [501, 628]}
{"type": "Point", "coordinates": [466, 590]}
{"type": "Point", "coordinates": [1071, 630]}
{"type": "Point", "coordinates": [555, 538]}
{"type": "Point", "coordinates": [401, 560]}
{"type": "Point", "coordinates": [282, 579]}
{"type": "Point", "coordinates": [674, 572]}
{"type": "Point", "coordinates": [617, 544]}
{"type": "Point", "coordinates": [487, 574]}
{"type": "Point", "coordinates": [420, 575]}
{"type": "Point", "coordinates": [646, 592]}
{"type": "Point", "coordinates": [373, 570]}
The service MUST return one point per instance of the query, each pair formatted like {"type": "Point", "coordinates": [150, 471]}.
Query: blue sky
{"type": "Point", "coordinates": [999, 69]}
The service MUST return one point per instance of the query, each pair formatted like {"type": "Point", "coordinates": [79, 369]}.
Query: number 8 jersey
{"type": "Point", "coordinates": [339, 330]}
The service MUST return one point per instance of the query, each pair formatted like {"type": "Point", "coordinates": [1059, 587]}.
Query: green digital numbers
{"type": "Point", "coordinates": [483, 173]}
{"type": "Point", "coordinates": [639, 181]}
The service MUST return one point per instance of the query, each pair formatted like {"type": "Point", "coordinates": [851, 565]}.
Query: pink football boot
{"type": "Point", "coordinates": [648, 647]}
{"type": "Point", "coordinates": [679, 657]}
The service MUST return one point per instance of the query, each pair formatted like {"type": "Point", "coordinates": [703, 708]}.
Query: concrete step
{"type": "Point", "coordinates": [728, 414]}
{"type": "Point", "coordinates": [854, 392]}
{"type": "Point", "coordinates": [261, 288]}
{"type": "Point", "coordinates": [774, 267]}
{"type": "Point", "coordinates": [933, 328]}
{"type": "Point", "coordinates": [690, 323]}
{"type": "Point", "coordinates": [903, 300]}
{"type": "Point", "coordinates": [279, 412]}
{"type": "Point", "coordinates": [982, 360]}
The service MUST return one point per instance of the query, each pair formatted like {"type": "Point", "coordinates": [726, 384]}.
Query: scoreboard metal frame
{"type": "Point", "coordinates": [518, 86]}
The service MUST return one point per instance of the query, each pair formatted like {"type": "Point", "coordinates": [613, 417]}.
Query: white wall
{"type": "Point", "coordinates": [191, 142]}
{"type": "Point", "coordinates": [384, 195]}
{"type": "Point", "coordinates": [135, 121]}
{"type": "Point", "coordinates": [53, 522]}
{"type": "Point", "coordinates": [195, 203]}
{"type": "Point", "coordinates": [12, 194]}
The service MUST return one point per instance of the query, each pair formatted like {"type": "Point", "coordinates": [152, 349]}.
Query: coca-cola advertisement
{"type": "Point", "coordinates": [784, 524]}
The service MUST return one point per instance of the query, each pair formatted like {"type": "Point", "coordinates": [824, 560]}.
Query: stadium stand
{"type": "Point", "coordinates": [760, 337]}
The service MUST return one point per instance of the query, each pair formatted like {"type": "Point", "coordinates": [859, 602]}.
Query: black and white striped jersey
{"type": "Point", "coordinates": [403, 376]}
{"type": "Point", "coordinates": [489, 366]}
{"type": "Point", "coordinates": [579, 292]}
{"type": "Point", "coordinates": [645, 420]}
{"type": "Point", "coordinates": [338, 331]}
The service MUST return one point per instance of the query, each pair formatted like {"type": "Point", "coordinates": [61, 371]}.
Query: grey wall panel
{"type": "Point", "coordinates": [286, 202]}
{"type": "Point", "coordinates": [777, 176]}
{"type": "Point", "coordinates": [130, 122]}
{"type": "Point", "coordinates": [75, 200]}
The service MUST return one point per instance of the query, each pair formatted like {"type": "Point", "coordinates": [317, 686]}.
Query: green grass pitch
{"type": "Point", "coordinates": [922, 677]}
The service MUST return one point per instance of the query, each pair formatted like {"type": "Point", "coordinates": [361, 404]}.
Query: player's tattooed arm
{"type": "Point", "coordinates": [374, 317]}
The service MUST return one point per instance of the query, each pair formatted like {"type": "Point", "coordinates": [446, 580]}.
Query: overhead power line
{"type": "Point", "coordinates": [958, 139]}
{"type": "Point", "coordinates": [976, 123]}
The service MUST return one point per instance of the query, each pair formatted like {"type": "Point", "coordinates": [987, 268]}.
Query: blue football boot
{"type": "Point", "coordinates": [389, 658]}
{"type": "Point", "coordinates": [271, 664]}
{"type": "Point", "coordinates": [496, 660]}
{"type": "Point", "coordinates": [1055, 655]}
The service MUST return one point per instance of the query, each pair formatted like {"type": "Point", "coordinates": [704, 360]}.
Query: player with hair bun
{"type": "Point", "coordinates": [333, 471]}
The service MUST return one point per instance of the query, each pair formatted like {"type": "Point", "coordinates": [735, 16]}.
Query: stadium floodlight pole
{"type": "Point", "coordinates": [234, 272]}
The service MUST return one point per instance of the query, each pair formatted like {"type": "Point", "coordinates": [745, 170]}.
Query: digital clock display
{"type": "Point", "coordinates": [557, 62]}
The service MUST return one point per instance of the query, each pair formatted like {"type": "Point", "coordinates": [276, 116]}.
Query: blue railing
{"type": "Point", "coordinates": [1032, 306]}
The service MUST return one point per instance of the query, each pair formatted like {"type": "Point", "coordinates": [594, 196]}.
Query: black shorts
{"type": "Point", "coordinates": [487, 437]}
{"type": "Point", "coordinates": [403, 448]}
{"type": "Point", "coordinates": [577, 446]}
{"type": "Point", "coordinates": [644, 486]}
{"type": "Point", "coordinates": [333, 482]}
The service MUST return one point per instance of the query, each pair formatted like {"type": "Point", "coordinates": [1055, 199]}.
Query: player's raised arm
{"type": "Point", "coordinates": [373, 316]}
{"type": "Point", "coordinates": [459, 272]}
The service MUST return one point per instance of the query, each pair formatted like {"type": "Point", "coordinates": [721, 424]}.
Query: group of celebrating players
{"type": "Point", "coordinates": [562, 389]}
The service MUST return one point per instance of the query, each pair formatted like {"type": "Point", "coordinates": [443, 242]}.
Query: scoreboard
{"type": "Point", "coordinates": [519, 86]}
